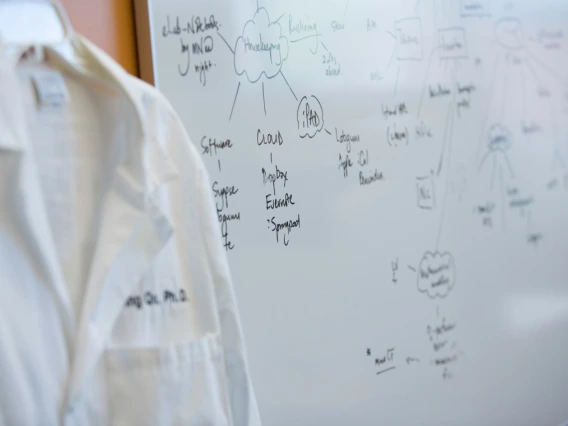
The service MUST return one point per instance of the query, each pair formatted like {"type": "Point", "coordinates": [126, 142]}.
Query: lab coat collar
{"type": "Point", "coordinates": [133, 228]}
{"type": "Point", "coordinates": [147, 163]}
{"type": "Point", "coordinates": [11, 115]}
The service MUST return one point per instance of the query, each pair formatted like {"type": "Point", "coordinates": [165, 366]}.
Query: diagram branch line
{"type": "Point", "coordinates": [278, 19]}
{"type": "Point", "coordinates": [493, 172]}
{"type": "Point", "coordinates": [554, 125]}
{"type": "Point", "coordinates": [263, 98]}
{"type": "Point", "coordinates": [397, 75]}
{"type": "Point", "coordinates": [235, 101]}
{"type": "Point", "coordinates": [509, 166]}
{"type": "Point", "coordinates": [425, 80]}
{"type": "Point", "coordinates": [441, 225]}
{"type": "Point", "coordinates": [560, 159]}
{"type": "Point", "coordinates": [529, 222]}
{"type": "Point", "coordinates": [447, 134]}
{"type": "Point", "coordinates": [288, 84]}
{"type": "Point", "coordinates": [545, 67]}
{"type": "Point", "coordinates": [502, 191]}
{"type": "Point", "coordinates": [505, 94]}
{"type": "Point", "coordinates": [391, 57]}
{"type": "Point", "coordinates": [448, 175]}
{"type": "Point", "coordinates": [228, 45]}
{"type": "Point", "coordinates": [489, 102]}
{"type": "Point", "coordinates": [523, 94]}
{"type": "Point", "coordinates": [482, 162]}
{"type": "Point", "coordinates": [532, 71]}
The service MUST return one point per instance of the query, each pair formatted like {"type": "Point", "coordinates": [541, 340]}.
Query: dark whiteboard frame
{"type": "Point", "coordinates": [144, 40]}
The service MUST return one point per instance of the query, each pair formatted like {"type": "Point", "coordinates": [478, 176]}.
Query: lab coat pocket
{"type": "Point", "coordinates": [181, 384]}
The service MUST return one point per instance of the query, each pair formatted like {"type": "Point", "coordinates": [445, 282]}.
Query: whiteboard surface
{"type": "Point", "coordinates": [391, 179]}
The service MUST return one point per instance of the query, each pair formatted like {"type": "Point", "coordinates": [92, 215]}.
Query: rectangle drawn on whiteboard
{"type": "Point", "coordinates": [452, 43]}
{"type": "Point", "coordinates": [408, 39]}
{"type": "Point", "coordinates": [425, 193]}
{"type": "Point", "coordinates": [475, 8]}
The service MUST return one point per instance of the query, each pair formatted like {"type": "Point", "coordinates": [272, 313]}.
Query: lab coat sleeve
{"type": "Point", "coordinates": [240, 391]}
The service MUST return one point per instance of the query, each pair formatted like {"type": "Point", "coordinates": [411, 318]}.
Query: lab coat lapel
{"type": "Point", "coordinates": [21, 195]}
{"type": "Point", "coordinates": [133, 230]}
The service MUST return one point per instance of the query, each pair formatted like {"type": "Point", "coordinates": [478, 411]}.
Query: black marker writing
{"type": "Point", "coordinates": [279, 202]}
{"type": "Point", "coordinates": [344, 164]}
{"type": "Point", "coordinates": [273, 177]}
{"type": "Point", "coordinates": [184, 51]}
{"type": "Point", "coordinates": [288, 225]}
{"type": "Point", "coordinates": [223, 193]}
{"type": "Point", "coordinates": [346, 139]}
{"type": "Point", "coordinates": [194, 26]}
{"type": "Point", "coordinates": [262, 139]}
{"type": "Point", "coordinates": [211, 145]}
{"type": "Point", "coordinates": [367, 180]}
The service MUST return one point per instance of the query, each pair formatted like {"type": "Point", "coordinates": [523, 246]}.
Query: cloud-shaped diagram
{"type": "Point", "coordinates": [261, 49]}
{"type": "Point", "coordinates": [436, 274]}
{"type": "Point", "coordinates": [309, 116]}
{"type": "Point", "coordinates": [499, 138]}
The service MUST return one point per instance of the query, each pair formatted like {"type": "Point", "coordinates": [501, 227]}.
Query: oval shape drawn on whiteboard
{"type": "Point", "coordinates": [509, 33]}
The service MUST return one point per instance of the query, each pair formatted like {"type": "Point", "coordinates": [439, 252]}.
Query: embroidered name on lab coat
{"type": "Point", "coordinates": [150, 299]}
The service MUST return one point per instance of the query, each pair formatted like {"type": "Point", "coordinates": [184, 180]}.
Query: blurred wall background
{"type": "Point", "coordinates": [109, 24]}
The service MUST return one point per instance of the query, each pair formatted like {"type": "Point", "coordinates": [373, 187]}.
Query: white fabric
{"type": "Point", "coordinates": [117, 306]}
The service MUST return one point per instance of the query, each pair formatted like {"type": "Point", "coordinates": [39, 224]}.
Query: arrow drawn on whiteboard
{"type": "Point", "coordinates": [410, 360]}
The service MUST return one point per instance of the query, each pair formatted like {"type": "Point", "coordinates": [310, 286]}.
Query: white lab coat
{"type": "Point", "coordinates": [156, 339]}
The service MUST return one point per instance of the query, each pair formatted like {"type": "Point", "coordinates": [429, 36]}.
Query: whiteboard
{"type": "Point", "coordinates": [391, 180]}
